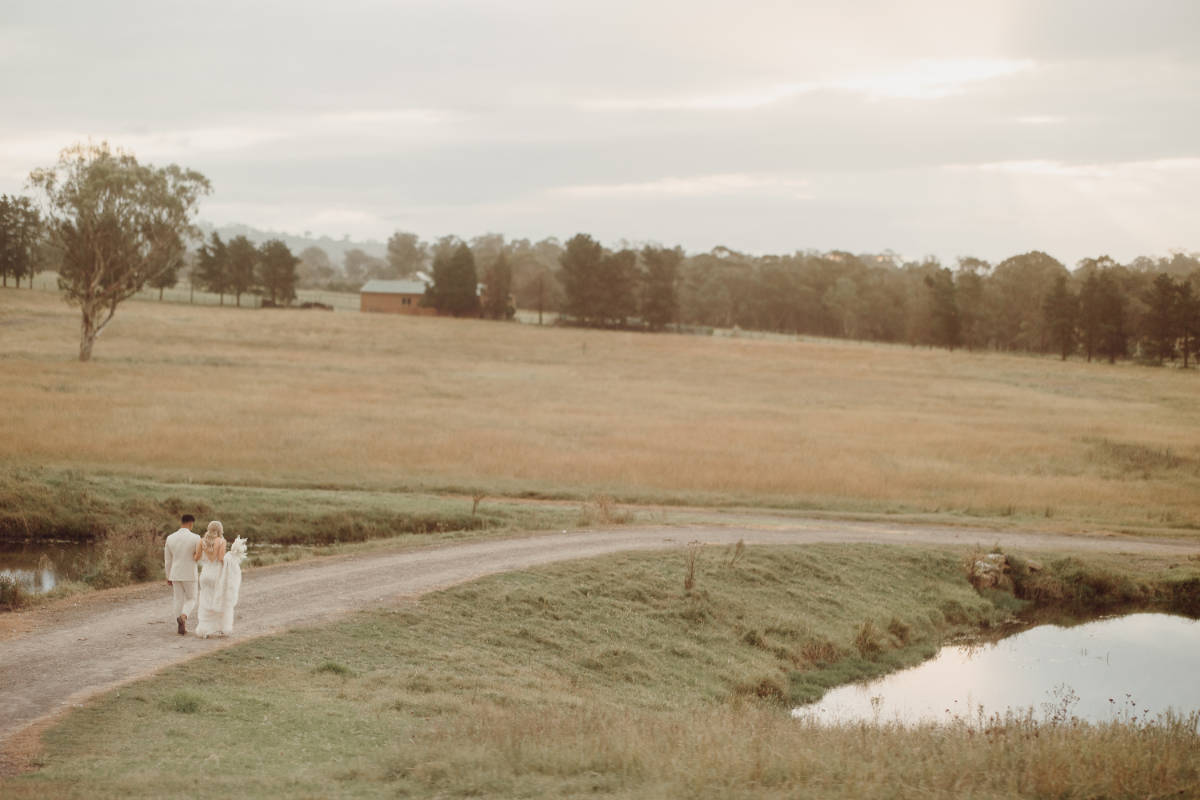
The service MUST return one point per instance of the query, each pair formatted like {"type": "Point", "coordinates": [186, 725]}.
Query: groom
{"type": "Point", "coordinates": [180, 564]}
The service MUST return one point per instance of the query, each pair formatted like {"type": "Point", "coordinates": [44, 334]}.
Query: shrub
{"type": "Point", "coordinates": [124, 555]}
{"type": "Point", "coordinates": [182, 702]}
{"type": "Point", "coordinates": [334, 668]}
{"type": "Point", "coordinates": [12, 596]}
{"type": "Point", "coordinates": [867, 641]}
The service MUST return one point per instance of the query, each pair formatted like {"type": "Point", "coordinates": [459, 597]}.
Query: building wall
{"type": "Point", "coordinates": [394, 304]}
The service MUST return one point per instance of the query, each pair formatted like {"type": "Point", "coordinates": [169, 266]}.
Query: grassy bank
{"type": "Point", "coordinates": [372, 402]}
{"type": "Point", "coordinates": [609, 678]}
{"type": "Point", "coordinates": [126, 520]}
{"type": "Point", "coordinates": [68, 504]}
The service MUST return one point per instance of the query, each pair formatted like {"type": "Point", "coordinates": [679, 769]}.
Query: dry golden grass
{"type": "Point", "coordinates": [377, 401]}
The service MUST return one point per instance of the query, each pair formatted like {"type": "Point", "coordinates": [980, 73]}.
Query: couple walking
{"type": "Point", "coordinates": [220, 577]}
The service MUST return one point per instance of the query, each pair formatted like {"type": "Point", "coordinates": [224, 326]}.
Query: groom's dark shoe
{"type": "Point", "coordinates": [182, 624]}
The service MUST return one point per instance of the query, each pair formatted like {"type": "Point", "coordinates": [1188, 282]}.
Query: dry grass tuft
{"type": "Point", "coordinates": [126, 554]}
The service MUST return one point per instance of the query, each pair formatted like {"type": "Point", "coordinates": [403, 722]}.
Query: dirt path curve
{"type": "Point", "coordinates": [66, 654]}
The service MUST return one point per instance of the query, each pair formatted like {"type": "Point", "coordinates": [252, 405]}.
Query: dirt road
{"type": "Point", "coordinates": [56, 657]}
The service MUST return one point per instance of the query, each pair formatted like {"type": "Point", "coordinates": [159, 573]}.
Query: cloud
{"type": "Point", "coordinates": [696, 186]}
{"type": "Point", "coordinates": [1098, 171]}
{"type": "Point", "coordinates": [932, 79]}
{"type": "Point", "coordinates": [927, 79]}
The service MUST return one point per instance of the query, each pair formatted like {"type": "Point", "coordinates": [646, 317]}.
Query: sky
{"type": "Point", "coordinates": [985, 128]}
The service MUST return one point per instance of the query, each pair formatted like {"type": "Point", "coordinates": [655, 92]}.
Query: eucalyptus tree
{"type": "Point", "coordinates": [117, 223]}
{"type": "Point", "coordinates": [660, 290]}
{"type": "Point", "coordinates": [497, 302]}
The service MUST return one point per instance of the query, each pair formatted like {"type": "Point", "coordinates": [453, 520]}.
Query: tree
{"type": "Point", "coordinates": [455, 287]}
{"type": "Point", "coordinates": [1021, 284]}
{"type": "Point", "coordinates": [118, 224]}
{"type": "Point", "coordinates": [242, 265]}
{"type": "Point", "coordinates": [581, 278]}
{"type": "Point", "coordinates": [212, 267]}
{"type": "Point", "coordinates": [277, 271]}
{"type": "Point", "coordinates": [1161, 321]}
{"type": "Point", "coordinates": [20, 238]}
{"type": "Point", "coordinates": [1113, 340]}
{"type": "Point", "coordinates": [534, 266]}
{"type": "Point", "coordinates": [660, 296]}
{"type": "Point", "coordinates": [315, 269]}
{"type": "Point", "coordinates": [1060, 310]}
{"type": "Point", "coordinates": [1187, 309]}
{"type": "Point", "coordinates": [170, 274]}
{"type": "Point", "coordinates": [944, 311]}
{"type": "Point", "coordinates": [970, 294]}
{"type": "Point", "coordinates": [618, 286]}
{"type": "Point", "coordinates": [497, 302]}
{"type": "Point", "coordinates": [1089, 311]}
{"type": "Point", "coordinates": [361, 266]}
{"type": "Point", "coordinates": [406, 253]}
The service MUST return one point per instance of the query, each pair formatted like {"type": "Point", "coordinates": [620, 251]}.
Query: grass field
{"type": "Point", "coordinates": [607, 678]}
{"type": "Point", "coordinates": [181, 394]}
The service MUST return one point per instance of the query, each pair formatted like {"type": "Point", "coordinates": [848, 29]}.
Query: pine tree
{"type": "Point", "coordinates": [242, 266]}
{"type": "Point", "coordinates": [277, 272]}
{"type": "Point", "coordinates": [212, 266]}
{"type": "Point", "coordinates": [581, 278]}
{"type": "Point", "coordinates": [455, 288]}
{"type": "Point", "coordinates": [21, 234]}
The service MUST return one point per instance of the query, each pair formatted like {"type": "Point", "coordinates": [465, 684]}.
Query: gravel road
{"type": "Point", "coordinates": [53, 658]}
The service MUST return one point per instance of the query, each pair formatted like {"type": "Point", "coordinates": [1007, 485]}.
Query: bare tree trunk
{"type": "Point", "coordinates": [541, 296]}
{"type": "Point", "coordinates": [87, 335]}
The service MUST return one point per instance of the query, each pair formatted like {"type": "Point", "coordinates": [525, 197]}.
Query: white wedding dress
{"type": "Point", "coordinates": [220, 584]}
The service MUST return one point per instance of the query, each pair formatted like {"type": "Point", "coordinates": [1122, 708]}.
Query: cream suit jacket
{"type": "Point", "coordinates": [178, 555]}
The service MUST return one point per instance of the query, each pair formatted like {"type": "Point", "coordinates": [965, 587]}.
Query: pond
{"type": "Point", "coordinates": [1134, 667]}
{"type": "Point", "coordinates": [40, 566]}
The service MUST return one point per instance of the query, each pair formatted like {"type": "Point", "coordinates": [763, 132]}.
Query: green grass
{"type": "Point", "coordinates": [607, 678]}
{"type": "Point", "coordinates": [126, 518]}
{"type": "Point", "coordinates": [68, 504]}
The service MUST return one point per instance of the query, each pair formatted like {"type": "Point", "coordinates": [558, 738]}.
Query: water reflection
{"type": "Point", "coordinates": [40, 566]}
{"type": "Point", "coordinates": [1136, 666]}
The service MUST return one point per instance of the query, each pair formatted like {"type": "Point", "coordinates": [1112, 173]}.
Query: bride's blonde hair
{"type": "Point", "coordinates": [215, 531]}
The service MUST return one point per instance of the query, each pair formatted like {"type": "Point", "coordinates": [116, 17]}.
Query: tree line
{"type": "Point", "coordinates": [113, 226]}
{"type": "Point", "coordinates": [1029, 302]}
{"type": "Point", "coordinates": [238, 267]}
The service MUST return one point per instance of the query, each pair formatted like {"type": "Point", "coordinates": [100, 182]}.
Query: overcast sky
{"type": "Point", "coordinates": [985, 127]}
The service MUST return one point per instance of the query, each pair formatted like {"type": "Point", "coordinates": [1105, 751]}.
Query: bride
{"type": "Point", "coordinates": [220, 581]}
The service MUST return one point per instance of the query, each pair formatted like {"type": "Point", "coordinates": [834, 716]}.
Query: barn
{"type": "Point", "coordinates": [394, 297]}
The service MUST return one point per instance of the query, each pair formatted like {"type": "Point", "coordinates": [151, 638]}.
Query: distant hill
{"type": "Point", "coordinates": [336, 248]}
